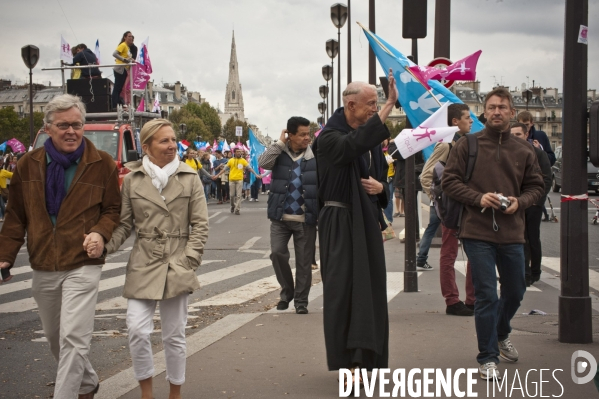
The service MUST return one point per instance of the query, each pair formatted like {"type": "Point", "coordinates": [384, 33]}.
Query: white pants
{"type": "Point", "coordinates": [173, 318]}
{"type": "Point", "coordinates": [67, 304]}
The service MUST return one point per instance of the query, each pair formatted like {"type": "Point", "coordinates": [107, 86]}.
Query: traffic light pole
{"type": "Point", "coordinates": [575, 311]}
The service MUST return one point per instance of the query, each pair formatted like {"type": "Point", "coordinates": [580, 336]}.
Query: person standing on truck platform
{"type": "Point", "coordinates": [122, 56]}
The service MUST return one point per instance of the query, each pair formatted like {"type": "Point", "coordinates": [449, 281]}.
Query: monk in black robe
{"type": "Point", "coordinates": [352, 172]}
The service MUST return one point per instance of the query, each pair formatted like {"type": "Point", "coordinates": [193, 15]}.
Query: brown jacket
{"type": "Point", "coordinates": [505, 164]}
{"type": "Point", "coordinates": [92, 204]}
{"type": "Point", "coordinates": [166, 252]}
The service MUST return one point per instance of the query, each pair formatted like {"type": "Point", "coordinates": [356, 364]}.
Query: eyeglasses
{"type": "Point", "coordinates": [502, 108]}
{"type": "Point", "coordinates": [65, 126]}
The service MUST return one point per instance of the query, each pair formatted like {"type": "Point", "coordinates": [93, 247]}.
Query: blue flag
{"type": "Point", "coordinates": [3, 147]}
{"type": "Point", "coordinates": [256, 149]}
{"type": "Point", "coordinates": [417, 102]}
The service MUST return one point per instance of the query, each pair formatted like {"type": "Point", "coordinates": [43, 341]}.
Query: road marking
{"type": "Point", "coordinates": [221, 219]}
{"type": "Point", "coordinates": [242, 294]}
{"type": "Point", "coordinates": [460, 266]}
{"type": "Point", "coordinates": [216, 214]}
{"type": "Point", "coordinates": [249, 243]}
{"type": "Point", "coordinates": [204, 280]}
{"type": "Point", "coordinates": [123, 382]}
{"type": "Point", "coordinates": [106, 284]}
{"type": "Point", "coordinates": [554, 264]}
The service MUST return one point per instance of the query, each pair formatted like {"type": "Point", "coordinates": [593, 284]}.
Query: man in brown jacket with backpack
{"type": "Point", "coordinates": [505, 181]}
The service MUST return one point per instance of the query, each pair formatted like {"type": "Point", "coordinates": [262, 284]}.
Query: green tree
{"type": "Point", "coordinates": [195, 128]}
{"type": "Point", "coordinates": [229, 130]}
{"type": "Point", "coordinates": [12, 126]}
{"type": "Point", "coordinates": [207, 114]}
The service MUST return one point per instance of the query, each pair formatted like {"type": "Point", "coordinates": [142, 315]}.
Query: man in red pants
{"type": "Point", "coordinates": [457, 115]}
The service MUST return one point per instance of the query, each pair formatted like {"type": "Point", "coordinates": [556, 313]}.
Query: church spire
{"type": "Point", "coordinates": [233, 95]}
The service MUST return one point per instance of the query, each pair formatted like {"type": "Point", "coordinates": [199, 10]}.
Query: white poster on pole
{"type": "Point", "coordinates": [238, 131]}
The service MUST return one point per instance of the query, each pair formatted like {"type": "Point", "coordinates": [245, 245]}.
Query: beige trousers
{"type": "Point", "coordinates": [67, 305]}
{"type": "Point", "coordinates": [235, 187]}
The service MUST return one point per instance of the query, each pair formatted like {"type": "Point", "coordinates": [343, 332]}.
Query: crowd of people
{"type": "Point", "coordinates": [342, 185]}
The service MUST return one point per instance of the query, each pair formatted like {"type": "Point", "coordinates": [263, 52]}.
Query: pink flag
{"type": "Point", "coordinates": [142, 68]}
{"type": "Point", "coordinates": [464, 69]}
{"type": "Point", "coordinates": [215, 144]}
{"type": "Point", "coordinates": [142, 105]}
{"type": "Point", "coordinates": [16, 145]}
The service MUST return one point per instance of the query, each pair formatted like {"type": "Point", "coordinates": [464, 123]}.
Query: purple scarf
{"type": "Point", "coordinates": [55, 191]}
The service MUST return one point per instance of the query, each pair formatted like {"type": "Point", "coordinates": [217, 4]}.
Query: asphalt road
{"type": "Point", "coordinates": [236, 277]}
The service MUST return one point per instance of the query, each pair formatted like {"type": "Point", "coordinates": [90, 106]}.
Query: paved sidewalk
{"type": "Point", "coordinates": [282, 355]}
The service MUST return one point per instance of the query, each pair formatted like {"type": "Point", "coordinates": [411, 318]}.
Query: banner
{"type": "Point", "coordinates": [97, 51]}
{"type": "Point", "coordinates": [16, 145]}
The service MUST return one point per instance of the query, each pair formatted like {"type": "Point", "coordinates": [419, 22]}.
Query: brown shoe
{"type": "Point", "coordinates": [90, 395]}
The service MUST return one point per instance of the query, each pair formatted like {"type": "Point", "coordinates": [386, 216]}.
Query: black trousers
{"type": "Point", "coordinates": [119, 82]}
{"type": "Point", "coordinates": [532, 248]}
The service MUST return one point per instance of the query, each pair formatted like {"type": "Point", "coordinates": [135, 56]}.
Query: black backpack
{"type": "Point", "coordinates": [448, 209]}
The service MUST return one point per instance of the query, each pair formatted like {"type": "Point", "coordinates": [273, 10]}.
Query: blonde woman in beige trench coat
{"type": "Point", "coordinates": [163, 200]}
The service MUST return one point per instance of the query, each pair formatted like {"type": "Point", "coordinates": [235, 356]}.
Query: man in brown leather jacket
{"type": "Point", "coordinates": [63, 196]}
{"type": "Point", "coordinates": [505, 181]}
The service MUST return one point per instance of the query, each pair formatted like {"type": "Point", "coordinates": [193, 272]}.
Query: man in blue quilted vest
{"type": "Point", "coordinates": [292, 210]}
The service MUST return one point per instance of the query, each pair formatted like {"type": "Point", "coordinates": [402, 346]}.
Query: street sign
{"type": "Point", "coordinates": [238, 131]}
{"type": "Point", "coordinates": [442, 63]}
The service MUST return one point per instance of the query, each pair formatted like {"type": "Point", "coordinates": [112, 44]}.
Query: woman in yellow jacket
{"type": "Point", "coordinates": [4, 174]}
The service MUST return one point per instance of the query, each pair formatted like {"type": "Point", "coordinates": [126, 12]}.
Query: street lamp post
{"type": "Point", "coordinates": [339, 16]}
{"type": "Point", "coordinates": [183, 130]}
{"type": "Point", "coordinates": [322, 108]}
{"type": "Point", "coordinates": [327, 74]}
{"type": "Point", "coordinates": [324, 94]}
{"type": "Point", "coordinates": [332, 47]}
{"type": "Point", "coordinates": [30, 55]}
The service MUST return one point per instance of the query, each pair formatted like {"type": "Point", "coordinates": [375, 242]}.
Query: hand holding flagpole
{"type": "Point", "coordinates": [391, 100]}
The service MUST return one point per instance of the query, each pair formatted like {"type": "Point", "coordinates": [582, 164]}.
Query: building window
{"type": "Point", "coordinates": [553, 130]}
{"type": "Point", "coordinates": [41, 109]}
{"type": "Point", "coordinates": [170, 110]}
{"type": "Point", "coordinates": [233, 94]}
{"type": "Point", "coordinates": [20, 109]}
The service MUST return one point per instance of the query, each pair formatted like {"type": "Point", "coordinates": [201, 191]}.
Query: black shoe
{"type": "Point", "coordinates": [459, 309]}
{"type": "Point", "coordinates": [471, 307]}
{"type": "Point", "coordinates": [424, 266]}
{"type": "Point", "coordinates": [545, 219]}
{"type": "Point", "coordinates": [536, 277]}
{"type": "Point", "coordinates": [301, 310]}
{"type": "Point", "coordinates": [529, 280]}
{"type": "Point", "coordinates": [282, 305]}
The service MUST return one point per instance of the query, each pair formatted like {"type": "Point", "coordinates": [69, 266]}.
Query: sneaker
{"type": "Point", "coordinates": [488, 371]}
{"type": "Point", "coordinates": [237, 213]}
{"type": "Point", "coordinates": [256, 200]}
{"type": "Point", "coordinates": [282, 305]}
{"type": "Point", "coordinates": [459, 309]}
{"type": "Point", "coordinates": [507, 350]}
{"type": "Point", "coordinates": [251, 200]}
{"type": "Point", "coordinates": [396, 215]}
{"type": "Point", "coordinates": [301, 310]}
{"type": "Point", "coordinates": [425, 266]}
{"type": "Point", "coordinates": [471, 307]}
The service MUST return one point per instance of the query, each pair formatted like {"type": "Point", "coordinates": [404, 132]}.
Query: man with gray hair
{"type": "Point", "coordinates": [352, 175]}
{"type": "Point", "coordinates": [63, 196]}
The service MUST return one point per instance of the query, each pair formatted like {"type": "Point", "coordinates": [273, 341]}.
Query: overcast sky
{"type": "Point", "coordinates": [281, 43]}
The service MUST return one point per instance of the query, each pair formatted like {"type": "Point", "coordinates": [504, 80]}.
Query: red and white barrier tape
{"type": "Point", "coordinates": [581, 197]}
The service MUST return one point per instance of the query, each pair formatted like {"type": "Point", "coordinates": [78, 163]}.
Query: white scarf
{"type": "Point", "coordinates": [160, 175]}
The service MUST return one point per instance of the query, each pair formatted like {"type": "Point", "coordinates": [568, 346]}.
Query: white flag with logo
{"type": "Point", "coordinates": [65, 51]}
{"type": "Point", "coordinates": [432, 130]}
{"type": "Point", "coordinates": [156, 107]}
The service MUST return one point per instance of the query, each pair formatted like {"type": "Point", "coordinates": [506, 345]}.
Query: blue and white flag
{"type": "Point", "coordinates": [226, 146]}
{"type": "Point", "coordinates": [3, 147]}
{"type": "Point", "coordinates": [256, 149]}
{"type": "Point", "coordinates": [97, 51]}
{"type": "Point", "coordinates": [417, 102]}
